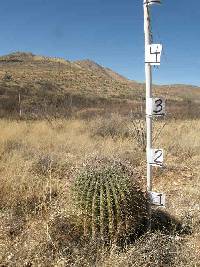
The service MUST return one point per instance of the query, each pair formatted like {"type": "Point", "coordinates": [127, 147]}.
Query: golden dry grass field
{"type": "Point", "coordinates": [39, 161]}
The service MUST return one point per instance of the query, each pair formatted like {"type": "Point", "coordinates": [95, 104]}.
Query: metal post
{"type": "Point", "coordinates": [148, 74]}
{"type": "Point", "coordinates": [20, 110]}
{"type": "Point", "coordinates": [154, 107]}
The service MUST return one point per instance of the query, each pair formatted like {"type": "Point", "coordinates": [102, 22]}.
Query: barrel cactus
{"type": "Point", "coordinates": [111, 205]}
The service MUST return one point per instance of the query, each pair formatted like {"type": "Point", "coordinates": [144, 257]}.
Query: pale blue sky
{"type": "Point", "coordinates": [109, 32]}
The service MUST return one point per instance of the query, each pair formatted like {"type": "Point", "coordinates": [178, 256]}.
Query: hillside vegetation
{"type": "Point", "coordinates": [57, 87]}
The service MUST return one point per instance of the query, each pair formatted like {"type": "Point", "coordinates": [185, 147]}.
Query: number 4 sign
{"type": "Point", "coordinates": [153, 54]}
{"type": "Point", "coordinates": [155, 157]}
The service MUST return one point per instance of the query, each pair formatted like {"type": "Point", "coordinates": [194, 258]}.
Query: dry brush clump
{"type": "Point", "coordinates": [152, 250]}
{"type": "Point", "coordinates": [131, 127]}
{"type": "Point", "coordinates": [114, 126]}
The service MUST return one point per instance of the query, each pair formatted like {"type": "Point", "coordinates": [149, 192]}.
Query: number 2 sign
{"type": "Point", "coordinates": [156, 157]}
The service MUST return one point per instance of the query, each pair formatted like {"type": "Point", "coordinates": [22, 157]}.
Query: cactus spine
{"type": "Point", "coordinates": [112, 206]}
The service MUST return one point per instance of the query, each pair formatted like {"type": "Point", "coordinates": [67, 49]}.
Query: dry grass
{"type": "Point", "coordinates": [38, 224]}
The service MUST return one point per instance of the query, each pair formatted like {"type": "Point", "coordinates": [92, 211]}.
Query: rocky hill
{"type": "Point", "coordinates": [57, 87]}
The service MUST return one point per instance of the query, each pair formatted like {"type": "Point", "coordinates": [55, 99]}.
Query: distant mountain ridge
{"type": "Point", "coordinates": [85, 63]}
{"type": "Point", "coordinates": [49, 83]}
{"type": "Point", "coordinates": [93, 66]}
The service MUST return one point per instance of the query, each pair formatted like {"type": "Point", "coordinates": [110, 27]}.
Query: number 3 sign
{"type": "Point", "coordinates": [158, 107]}
{"type": "Point", "coordinates": [155, 107]}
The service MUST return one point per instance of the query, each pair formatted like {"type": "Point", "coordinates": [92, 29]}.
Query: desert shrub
{"type": "Point", "coordinates": [12, 145]}
{"type": "Point", "coordinates": [113, 126]}
{"type": "Point", "coordinates": [64, 231]}
{"type": "Point", "coordinates": [164, 222]}
{"type": "Point", "coordinates": [116, 126]}
{"type": "Point", "coordinates": [44, 164]}
{"type": "Point", "coordinates": [151, 250]}
{"type": "Point", "coordinates": [137, 130]}
{"type": "Point", "coordinates": [56, 241]}
{"type": "Point", "coordinates": [51, 164]}
{"type": "Point", "coordinates": [7, 77]}
{"type": "Point", "coordinates": [24, 194]}
{"type": "Point", "coordinates": [110, 202]}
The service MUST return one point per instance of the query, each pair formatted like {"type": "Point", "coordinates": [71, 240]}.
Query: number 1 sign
{"type": "Point", "coordinates": [157, 199]}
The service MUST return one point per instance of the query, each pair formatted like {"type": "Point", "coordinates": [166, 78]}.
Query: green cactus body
{"type": "Point", "coordinates": [111, 204]}
{"type": "Point", "coordinates": [102, 209]}
{"type": "Point", "coordinates": [95, 207]}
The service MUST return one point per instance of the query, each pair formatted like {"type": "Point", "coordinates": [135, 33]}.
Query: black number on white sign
{"type": "Point", "coordinates": [158, 160]}
{"type": "Point", "coordinates": [158, 106]}
{"type": "Point", "coordinates": [156, 53]}
{"type": "Point", "coordinates": [160, 199]}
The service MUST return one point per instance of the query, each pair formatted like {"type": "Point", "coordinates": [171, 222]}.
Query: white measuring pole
{"type": "Point", "coordinates": [154, 107]}
{"type": "Point", "coordinates": [148, 74]}
{"type": "Point", "coordinates": [20, 109]}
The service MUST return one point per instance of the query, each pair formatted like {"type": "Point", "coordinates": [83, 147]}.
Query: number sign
{"type": "Point", "coordinates": [158, 107]}
{"type": "Point", "coordinates": [155, 157]}
{"type": "Point", "coordinates": [150, 2]}
{"type": "Point", "coordinates": [153, 54]}
{"type": "Point", "coordinates": [157, 199]}
{"type": "Point", "coordinates": [155, 107]}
